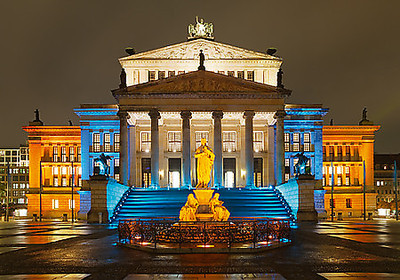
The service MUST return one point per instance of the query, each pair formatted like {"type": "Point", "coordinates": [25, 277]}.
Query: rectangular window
{"type": "Point", "coordinates": [307, 138]}
{"type": "Point", "coordinates": [258, 141]}
{"type": "Point", "coordinates": [240, 74]}
{"type": "Point", "coordinates": [63, 154]}
{"type": "Point", "coordinates": [296, 137]}
{"type": "Point", "coordinates": [229, 141]}
{"type": "Point", "coordinates": [96, 142]}
{"type": "Point", "coordinates": [200, 135]}
{"type": "Point", "coordinates": [71, 153]}
{"type": "Point", "coordinates": [287, 137]}
{"type": "Point", "coordinates": [287, 162]}
{"type": "Point", "coordinates": [55, 153]}
{"type": "Point", "coordinates": [287, 177]}
{"type": "Point", "coordinates": [339, 170]}
{"type": "Point", "coordinates": [174, 141]}
{"type": "Point", "coordinates": [347, 169]}
{"type": "Point", "coordinates": [231, 73]}
{"type": "Point", "coordinates": [64, 182]}
{"type": "Point", "coordinates": [287, 147]}
{"type": "Point", "coordinates": [152, 76]}
{"type": "Point", "coordinates": [306, 147]}
{"type": "Point", "coordinates": [145, 141]}
{"type": "Point", "coordinates": [339, 180]}
{"type": "Point", "coordinates": [55, 170]}
{"type": "Point", "coordinates": [107, 142]}
{"type": "Point", "coordinates": [55, 203]}
{"type": "Point", "coordinates": [181, 72]}
{"type": "Point", "coordinates": [347, 181]}
{"type": "Point", "coordinates": [116, 142]}
{"type": "Point", "coordinates": [161, 75]}
{"type": "Point", "coordinates": [296, 147]}
{"type": "Point", "coordinates": [64, 170]}
{"type": "Point", "coordinates": [171, 74]}
{"type": "Point", "coordinates": [55, 182]}
{"type": "Point", "coordinates": [250, 75]}
{"type": "Point", "coordinates": [71, 203]}
{"type": "Point", "coordinates": [348, 203]}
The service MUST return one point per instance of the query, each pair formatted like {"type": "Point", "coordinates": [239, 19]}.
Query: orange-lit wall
{"type": "Point", "coordinates": [42, 142]}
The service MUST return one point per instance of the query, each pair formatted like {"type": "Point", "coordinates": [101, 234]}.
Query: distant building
{"type": "Point", "coordinates": [384, 182]}
{"type": "Point", "coordinates": [347, 147]}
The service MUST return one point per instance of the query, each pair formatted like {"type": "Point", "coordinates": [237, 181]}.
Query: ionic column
{"type": "Point", "coordinates": [217, 116]}
{"type": "Point", "coordinates": [123, 150]}
{"type": "Point", "coordinates": [248, 148]}
{"type": "Point", "coordinates": [154, 116]}
{"type": "Point", "coordinates": [279, 148]}
{"type": "Point", "coordinates": [186, 178]}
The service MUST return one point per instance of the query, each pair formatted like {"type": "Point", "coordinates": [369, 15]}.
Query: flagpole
{"type": "Point", "coordinates": [395, 190]}
{"type": "Point", "coordinates": [364, 193]}
{"type": "Point", "coordinates": [332, 183]}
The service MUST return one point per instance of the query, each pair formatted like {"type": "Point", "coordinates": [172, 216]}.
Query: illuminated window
{"type": "Point", "coordinates": [287, 177]}
{"type": "Point", "coordinates": [152, 76]}
{"type": "Point", "coordinates": [71, 153]}
{"type": "Point", "coordinates": [229, 141]}
{"type": "Point", "coordinates": [323, 181]}
{"type": "Point", "coordinates": [174, 141]}
{"type": "Point", "coordinates": [107, 142]}
{"type": "Point", "coordinates": [171, 74]}
{"type": "Point", "coordinates": [161, 75]}
{"type": "Point", "coordinates": [296, 147]}
{"type": "Point", "coordinates": [64, 182]}
{"type": "Point", "coordinates": [55, 170]}
{"type": "Point", "coordinates": [307, 137]}
{"type": "Point", "coordinates": [64, 170]}
{"type": "Point", "coordinates": [54, 203]}
{"type": "Point", "coordinates": [347, 169]}
{"type": "Point", "coordinates": [116, 142]}
{"type": "Point", "coordinates": [96, 142]}
{"type": "Point", "coordinates": [79, 154]}
{"type": "Point", "coordinates": [200, 135]}
{"type": "Point", "coordinates": [339, 180]}
{"type": "Point", "coordinates": [287, 147]}
{"type": "Point", "coordinates": [63, 154]}
{"type": "Point", "coordinates": [55, 153]}
{"type": "Point", "coordinates": [347, 181]}
{"type": "Point", "coordinates": [250, 75]}
{"type": "Point", "coordinates": [55, 182]}
{"type": "Point", "coordinates": [145, 141]}
{"type": "Point", "coordinates": [287, 162]}
{"type": "Point", "coordinates": [287, 137]}
{"type": "Point", "coordinates": [231, 73]}
{"type": "Point", "coordinates": [240, 74]}
{"type": "Point", "coordinates": [258, 141]}
{"type": "Point", "coordinates": [181, 72]}
{"type": "Point", "coordinates": [296, 137]}
{"type": "Point", "coordinates": [71, 203]}
{"type": "Point", "coordinates": [348, 203]}
{"type": "Point", "coordinates": [339, 169]}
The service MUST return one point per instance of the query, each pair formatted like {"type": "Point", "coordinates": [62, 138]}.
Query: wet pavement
{"type": "Point", "coordinates": [334, 251]}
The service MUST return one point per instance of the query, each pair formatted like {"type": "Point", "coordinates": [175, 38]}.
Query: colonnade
{"type": "Point", "coordinates": [217, 116]}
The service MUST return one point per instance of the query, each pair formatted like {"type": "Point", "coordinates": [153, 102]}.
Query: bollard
{"type": "Point", "coordinates": [34, 217]}
{"type": "Point", "coordinates": [369, 216]}
{"type": "Point", "coordinates": [65, 217]}
{"type": "Point", "coordinates": [100, 217]}
{"type": "Point", "coordinates": [340, 216]}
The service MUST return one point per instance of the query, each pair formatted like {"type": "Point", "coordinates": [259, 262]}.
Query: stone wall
{"type": "Point", "coordinates": [290, 192]}
{"type": "Point", "coordinates": [114, 193]}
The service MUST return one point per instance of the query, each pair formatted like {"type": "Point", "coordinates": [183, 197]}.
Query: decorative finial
{"type": "Point", "coordinates": [37, 120]}
{"type": "Point", "coordinates": [201, 29]}
{"type": "Point", "coordinates": [70, 123]}
{"type": "Point", "coordinates": [202, 58]}
{"type": "Point", "coordinates": [364, 120]}
{"type": "Point", "coordinates": [122, 78]}
{"type": "Point", "coordinates": [279, 78]}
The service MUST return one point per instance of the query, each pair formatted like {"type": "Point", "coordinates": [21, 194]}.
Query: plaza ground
{"type": "Point", "coordinates": [334, 251]}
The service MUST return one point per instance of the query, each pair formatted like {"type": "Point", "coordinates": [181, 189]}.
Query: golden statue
{"type": "Point", "coordinates": [188, 212]}
{"type": "Point", "coordinates": [220, 212]}
{"type": "Point", "coordinates": [205, 159]}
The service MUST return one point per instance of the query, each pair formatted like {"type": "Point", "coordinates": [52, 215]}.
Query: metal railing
{"type": "Point", "coordinates": [156, 231]}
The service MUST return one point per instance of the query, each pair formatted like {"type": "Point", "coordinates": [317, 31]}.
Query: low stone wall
{"type": "Point", "coordinates": [290, 192]}
{"type": "Point", "coordinates": [114, 193]}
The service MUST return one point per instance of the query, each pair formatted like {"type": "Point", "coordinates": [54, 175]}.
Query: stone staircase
{"type": "Point", "coordinates": [143, 203]}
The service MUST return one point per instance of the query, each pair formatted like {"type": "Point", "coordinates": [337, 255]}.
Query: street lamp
{"type": "Point", "coordinates": [8, 191]}
{"type": "Point", "coordinates": [72, 191]}
{"type": "Point", "coordinates": [40, 191]}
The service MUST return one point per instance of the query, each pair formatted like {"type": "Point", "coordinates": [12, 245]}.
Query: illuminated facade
{"type": "Point", "coordinates": [347, 148]}
{"type": "Point", "coordinates": [384, 178]}
{"type": "Point", "coordinates": [55, 156]}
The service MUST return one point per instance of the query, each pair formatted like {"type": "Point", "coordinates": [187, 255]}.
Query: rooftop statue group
{"type": "Point", "coordinates": [205, 159]}
{"type": "Point", "coordinates": [200, 29]}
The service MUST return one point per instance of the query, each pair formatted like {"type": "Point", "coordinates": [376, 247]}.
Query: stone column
{"type": "Point", "coordinates": [217, 116]}
{"type": "Point", "coordinates": [154, 117]}
{"type": "Point", "coordinates": [279, 148]}
{"type": "Point", "coordinates": [249, 153]}
{"type": "Point", "coordinates": [123, 152]}
{"type": "Point", "coordinates": [186, 178]}
{"type": "Point", "coordinates": [132, 156]}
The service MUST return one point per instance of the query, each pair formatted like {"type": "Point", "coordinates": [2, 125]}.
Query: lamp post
{"type": "Point", "coordinates": [365, 207]}
{"type": "Point", "coordinates": [395, 190]}
{"type": "Point", "coordinates": [40, 191]}
{"type": "Point", "coordinates": [8, 191]}
{"type": "Point", "coordinates": [72, 192]}
{"type": "Point", "coordinates": [332, 183]}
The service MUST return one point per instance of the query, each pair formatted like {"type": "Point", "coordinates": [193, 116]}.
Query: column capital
{"type": "Point", "coordinates": [279, 114]}
{"type": "Point", "coordinates": [154, 114]}
{"type": "Point", "coordinates": [217, 114]}
{"type": "Point", "coordinates": [122, 114]}
{"type": "Point", "coordinates": [186, 114]}
{"type": "Point", "coordinates": [248, 114]}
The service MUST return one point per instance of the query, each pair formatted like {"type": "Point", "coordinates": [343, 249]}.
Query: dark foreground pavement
{"type": "Point", "coordinates": [334, 251]}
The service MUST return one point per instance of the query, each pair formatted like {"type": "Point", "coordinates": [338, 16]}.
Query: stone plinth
{"type": "Point", "coordinates": [203, 211]}
{"type": "Point", "coordinates": [306, 211]}
{"type": "Point", "coordinates": [98, 212]}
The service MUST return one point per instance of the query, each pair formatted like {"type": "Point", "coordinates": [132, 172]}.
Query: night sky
{"type": "Point", "coordinates": [56, 55]}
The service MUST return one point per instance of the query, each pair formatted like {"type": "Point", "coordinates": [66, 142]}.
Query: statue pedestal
{"type": "Point", "coordinates": [203, 212]}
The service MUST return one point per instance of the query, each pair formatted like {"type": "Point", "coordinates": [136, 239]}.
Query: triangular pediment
{"type": "Point", "coordinates": [190, 50]}
{"type": "Point", "coordinates": [203, 83]}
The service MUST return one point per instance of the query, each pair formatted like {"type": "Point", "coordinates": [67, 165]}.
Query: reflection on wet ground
{"type": "Point", "coordinates": [44, 277]}
{"type": "Point", "coordinates": [360, 276]}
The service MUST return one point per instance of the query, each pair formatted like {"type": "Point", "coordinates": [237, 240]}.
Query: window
{"type": "Point", "coordinates": [64, 182]}
{"type": "Point", "coordinates": [287, 147]}
{"type": "Point", "coordinates": [174, 141]}
{"type": "Point", "coordinates": [347, 181]}
{"type": "Point", "coordinates": [231, 73]}
{"type": "Point", "coordinates": [55, 153]}
{"type": "Point", "coordinates": [71, 203]}
{"type": "Point", "coordinates": [200, 135]}
{"type": "Point", "coordinates": [171, 74]}
{"type": "Point", "coordinates": [348, 203]}
{"type": "Point", "coordinates": [63, 154]}
{"type": "Point", "coordinates": [55, 203]}
{"type": "Point", "coordinates": [229, 141]}
{"type": "Point", "coordinates": [347, 169]}
{"type": "Point", "coordinates": [55, 170]}
{"type": "Point", "coordinates": [296, 142]}
{"type": "Point", "coordinates": [152, 76]}
{"type": "Point", "coordinates": [287, 177]}
{"type": "Point", "coordinates": [116, 142]}
{"type": "Point", "coordinates": [287, 162]}
{"type": "Point", "coordinates": [339, 169]}
{"type": "Point", "coordinates": [287, 137]}
{"type": "Point", "coordinates": [64, 170]}
{"type": "Point", "coordinates": [55, 182]}
{"type": "Point", "coordinates": [107, 142]}
{"type": "Point", "coordinates": [307, 141]}
{"type": "Point", "coordinates": [250, 75]}
{"type": "Point", "coordinates": [258, 141]}
{"type": "Point", "coordinates": [79, 154]}
{"type": "Point", "coordinates": [72, 153]}
{"type": "Point", "coordinates": [145, 141]}
{"type": "Point", "coordinates": [296, 147]}
{"type": "Point", "coordinates": [296, 137]}
{"type": "Point", "coordinates": [181, 72]}
{"type": "Point", "coordinates": [96, 142]}
{"type": "Point", "coordinates": [161, 75]}
{"type": "Point", "coordinates": [339, 180]}
{"type": "Point", "coordinates": [240, 74]}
